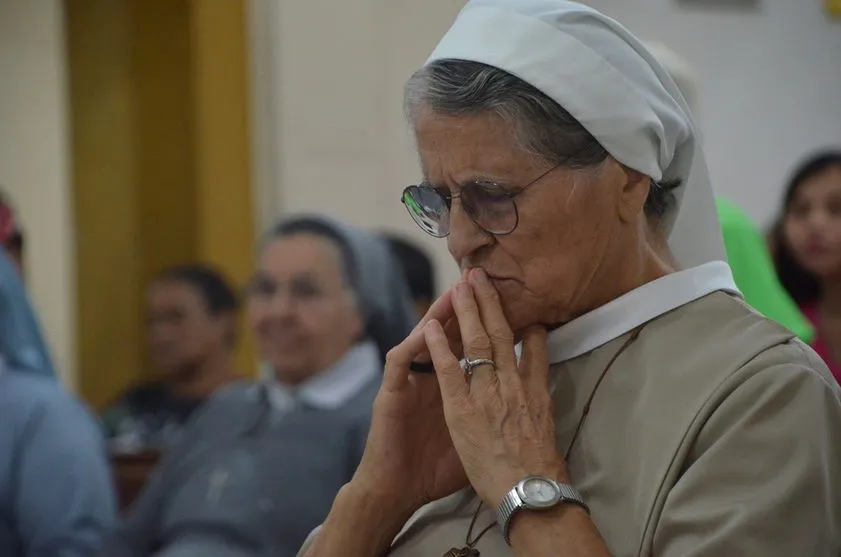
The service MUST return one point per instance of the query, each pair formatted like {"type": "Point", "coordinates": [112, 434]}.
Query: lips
{"type": "Point", "coordinates": [283, 341]}
{"type": "Point", "coordinates": [816, 248]}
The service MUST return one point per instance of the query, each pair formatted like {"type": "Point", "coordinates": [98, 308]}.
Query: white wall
{"type": "Point", "coordinates": [328, 94]}
{"type": "Point", "coordinates": [769, 80]}
{"type": "Point", "coordinates": [34, 160]}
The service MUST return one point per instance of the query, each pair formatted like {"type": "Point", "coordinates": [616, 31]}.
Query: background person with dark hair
{"type": "Point", "coordinates": [807, 249]}
{"type": "Point", "coordinates": [192, 319]}
{"type": "Point", "coordinates": [419, 270]}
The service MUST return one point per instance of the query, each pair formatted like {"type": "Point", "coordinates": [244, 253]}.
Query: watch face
{"type": "Point", "coordinates": [539, 492]}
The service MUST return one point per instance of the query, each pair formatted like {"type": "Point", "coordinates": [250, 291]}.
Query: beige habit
{"type": "Point", "coordinates": [713, 432]}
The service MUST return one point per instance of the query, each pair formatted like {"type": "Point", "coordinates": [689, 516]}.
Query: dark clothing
{"type": "Point", "coordinates": [148, 416]}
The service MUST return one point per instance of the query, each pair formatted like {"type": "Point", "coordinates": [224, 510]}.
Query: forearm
{"type": "Point", "coordinates": [565, 529]}
{"type": "Point", "coordinates": [358, 526]}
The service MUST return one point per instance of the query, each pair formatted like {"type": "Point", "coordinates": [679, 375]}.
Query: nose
{"type": "Point", "coordinates": [280, 305]}
{"type": "Point", "coordinates": [817, 220]}
{"type": "Point", "coordinates": [466, 237]}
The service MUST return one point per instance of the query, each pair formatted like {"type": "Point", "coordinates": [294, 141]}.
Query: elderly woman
{"type": "Point", "coordinates": [616, 397]}
{"type": "Point", "coordinates": [259, 465]}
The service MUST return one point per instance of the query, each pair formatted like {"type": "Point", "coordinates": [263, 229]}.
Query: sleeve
{"type": "Point", "coordinates": [64, 498]}
{"type": "Point", "coordinates": [763, 477]}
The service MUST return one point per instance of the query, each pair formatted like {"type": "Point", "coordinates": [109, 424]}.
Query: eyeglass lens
{"type": "Point", "coordinates": [490, 206]}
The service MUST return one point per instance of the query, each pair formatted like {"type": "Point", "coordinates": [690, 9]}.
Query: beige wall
{"type": "Point", "coordinates": [34, 160]}
{"type": "Point", "coordinates": [329, 127]}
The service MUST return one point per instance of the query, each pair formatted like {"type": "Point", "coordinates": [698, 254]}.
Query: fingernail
{"type": "Point", "coordinates": [481, 277]}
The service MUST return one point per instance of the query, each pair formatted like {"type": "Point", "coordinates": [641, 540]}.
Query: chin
{"type": "Point", "coordinates": [520, 314]}
{"type": "Point", "coordinates": [821, 269]}
{"type": "Point", "coordinates": [289, 371]}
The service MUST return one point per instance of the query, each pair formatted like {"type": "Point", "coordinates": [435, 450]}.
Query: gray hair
{"type": "Point", "coordinates": [543, 128]}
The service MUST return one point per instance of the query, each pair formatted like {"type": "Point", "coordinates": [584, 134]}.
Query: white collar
{"type": "Point", "coordinates": [619, 316]}
{"type": "Point", "coordinates": [334, 386]}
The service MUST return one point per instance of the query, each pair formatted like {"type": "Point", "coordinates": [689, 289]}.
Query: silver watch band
{"type": "Point", "coordinates": [512, 503]}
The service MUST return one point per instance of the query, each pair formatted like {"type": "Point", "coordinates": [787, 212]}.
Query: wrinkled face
{"type": "Point", "coordinates": [303, 313]}
{"type": "Point", "coordinates": [182, 332]}
{"type": "Point", "coordinates": [575, 231]}
{"type": "Point", "coordinates": [812, 224]}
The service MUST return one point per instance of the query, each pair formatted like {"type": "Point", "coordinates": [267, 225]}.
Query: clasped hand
{"type": "Point", "coordinates": [432, 434]}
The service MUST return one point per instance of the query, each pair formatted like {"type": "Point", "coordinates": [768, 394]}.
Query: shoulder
{"type": "Point", "coordinates": [144, 394]}
{"type": "Point", "coordinates": [37, 405]}
{"type": "Point", "coordinates": [230, 409]}
{"type": "Point", "coordinates": [719, 353]}
{"type": "Point", "coordinates": [721, 329]}
{"type": "Point", "coordinates": [704, 350]}
{"type": "Point", "coordinates": [38, 394]}
{"type": "Point", "coordinates": [137, 399]}
{"type": "Point", "coordinates": [733, 218]}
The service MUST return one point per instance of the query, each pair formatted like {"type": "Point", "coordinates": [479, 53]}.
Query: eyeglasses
{"type": "Point", "coordinates": [489, 205]}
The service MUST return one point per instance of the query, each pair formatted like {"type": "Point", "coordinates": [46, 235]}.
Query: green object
{"type": "Point", "coordinates": [754, 271]}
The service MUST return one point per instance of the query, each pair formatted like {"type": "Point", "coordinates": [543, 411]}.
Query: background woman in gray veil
{"type": "Point", "coordinates": [259, 465]}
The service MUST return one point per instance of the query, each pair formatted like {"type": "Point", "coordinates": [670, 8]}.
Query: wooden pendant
{"type": "Point", "coordinates": [463, 552]}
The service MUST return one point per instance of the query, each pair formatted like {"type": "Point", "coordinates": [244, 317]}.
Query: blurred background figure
{"type": "Point", "coordinates": [747, 251]}
{"type": "Point", "coordinates": [11, 235]}
{"type": "Point", "coordinates": [807, 249]}
{"type": "Point", "coordinates": [56, 496]}
{"type": "Point", "coordinates": [192, 315]}
{"type": "Point", "coordinates": [22, 343]}
{"type": "Point", "coordinates": [418, 269]}
{"type": "Point", "coordinates": [259, 466]}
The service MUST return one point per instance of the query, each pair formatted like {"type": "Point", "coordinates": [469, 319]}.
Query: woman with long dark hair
{"type": "Point", "coordinates": [807, 249]}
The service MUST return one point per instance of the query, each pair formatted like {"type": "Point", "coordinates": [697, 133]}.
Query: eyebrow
{"type": "Point", "coordinates": [475, 179]}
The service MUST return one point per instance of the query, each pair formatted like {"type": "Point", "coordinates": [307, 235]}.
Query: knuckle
{"type": "Point", "coordinates": [393, 357]}
{"type": "Point", "coordinates": [501, 333]}
{"type": "Point", "coordinates": [491, 294]}
{"type": "Point", "coordinates": [478, 341]}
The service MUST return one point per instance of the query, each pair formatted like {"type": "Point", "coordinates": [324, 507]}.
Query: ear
{"type": "Point", "coordinates": [356, 319]}
{"type": "Point", "coordinates": [633, 194]}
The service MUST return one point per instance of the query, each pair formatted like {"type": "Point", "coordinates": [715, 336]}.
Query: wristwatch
{"type": "Point", "coordinates": [535, 493]}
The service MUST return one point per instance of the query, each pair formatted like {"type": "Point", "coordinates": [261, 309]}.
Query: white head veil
{"type": "Point", "coordinates": [602, 75]}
